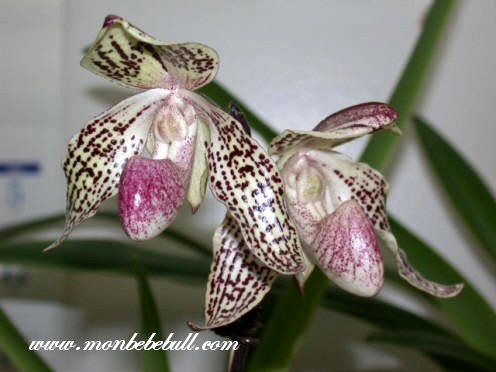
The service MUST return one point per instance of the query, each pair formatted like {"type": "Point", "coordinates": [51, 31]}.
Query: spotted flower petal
{"type": "Point", "coordinates": [362, 183]}
{"type": "Point", "coordinates": [127, 55]}
{"type": "Point", "coordinates": [412, 276]}
{"type": "Point", "coordinates": [238, 281]}
{"type": "Point", "coordinates": [347, 251]}
{"type": "Point", "coordinates": [246, 180]}
{"type": "Point", "coordinates": [150, 195]}
{"type": "Point", "coordinates": [338, 128]}
{"type": "Point", "coordinates": [97, 154]}
{"type": "Point", "coordinates": [345, 180]}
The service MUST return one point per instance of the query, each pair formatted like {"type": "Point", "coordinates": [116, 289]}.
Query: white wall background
{"type": "Point", "coordinates": [293, 62]}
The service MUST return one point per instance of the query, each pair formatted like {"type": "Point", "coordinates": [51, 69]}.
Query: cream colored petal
{"type": "Point", "coordinates": [127, 55]}
{"type": "Point", "coordinates": [199, 172]}
{"type": "Point", "coordinates": [98, 153]}
{"type": "Point", "coordinates": [246, 180]}
{"type": "Point", "coordinates": [238, 281]}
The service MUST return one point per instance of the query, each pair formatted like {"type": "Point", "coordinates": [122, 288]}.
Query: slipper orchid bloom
{"type": "Point", "coordinates": [339, 205]}
{"type": "Point", "coordinates": [161, 146]}
{"type": "Point", "coordinates": [339, 209]}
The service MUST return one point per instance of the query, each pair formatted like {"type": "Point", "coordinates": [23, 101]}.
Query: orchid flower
{"type": "Point", "coordinates": [161, 146]}
{"type": "Point", "coordinates": [339, 205]}
{"type": "Point", "coordinates": [339, 209]}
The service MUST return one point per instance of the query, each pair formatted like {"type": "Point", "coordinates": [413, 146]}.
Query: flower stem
{"type": "Point", "coordinates": [293, 314]}
{"type": "Point", "coordinates": [239, 358]}
{"type": "Point", "coordinates": [382, 145]}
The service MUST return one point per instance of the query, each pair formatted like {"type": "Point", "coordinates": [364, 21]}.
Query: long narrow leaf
{"type": "Point", "coordinates": [12, 343]}
{"type": "Point", "coordinates": [379, 313]}
{"type": "Point", "coordinates": [378, 151]}
{"type": "Point", "coordinates": [382, 145]}
{"type": "Point", "coordinates": [153, 360]}
{"type": "Point", "coordinates": [471, 315]}
{"type": "Point", "coordinates": [466, 189]}
{"type": "Point", "coordinates": [438, 346]}
{"type": "Point", "coordinates": [21, 229]}
{"type": "Point", "coordinates": [122, 257]}
{"type": "Point", "coordinates": [391, 318]}
{"type": "Point", "coordinates": [106, 255]}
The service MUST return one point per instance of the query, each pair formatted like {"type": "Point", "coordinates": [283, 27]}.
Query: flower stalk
{"type": "Point", "coordinates": [376, 154]}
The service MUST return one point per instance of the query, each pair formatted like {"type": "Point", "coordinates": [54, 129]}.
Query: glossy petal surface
{"type": "Point", "coordinates": [246, 180]}
{"type": "Point", "coordinates": [347, 251]}
{"type": "Point", "coordinates": [127, 55]}
{"type": "Point", "coordinates": [97, 154]}
{"type": "Point", "coordinates": [150, 195]}
{"type": "Point", "coordinates": [238, 281]}
{"type": "Point", "coordinates": [338, 128]}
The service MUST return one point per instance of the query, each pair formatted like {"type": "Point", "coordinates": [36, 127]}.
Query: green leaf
{"type": "Point", "coordinates": [447, 349]}
{"type": "Point", "coordinates": [377, 152]}
{"type": "Point", "coordinates": [379, 313]}
{"type": "Point", "coordinates": [382, 145]}
{"type": "Point", "coordinates": [471, 315]}
{"type": "Point", "coordinates": [153, 360]}
{"type": "Point", "coordinates": [370, 310]}
{"type": "Point", "coordinates": [401, 321]}
{"type": "Point", "coordinates": [122, 258]}
{"type": "Point", "coordinates": [467, 191]}
{"type": "Point", "coordinates": [10, 232]}
{"type": "Point", "coordinates": [105, 255]}
{"type": "Point", "coordinates": [18, 229]}
{"type": "Point", "coordinates": [14, 346]}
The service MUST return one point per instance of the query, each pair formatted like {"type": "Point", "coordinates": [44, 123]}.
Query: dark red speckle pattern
{"type": "Point", "coordinates": [97, 154]}
{"type": "Point", "coordinates": [347, 250]}
{"type": "Point", "coordinates": [150, 194]}
{"type": "Point", "coordinates": [369, 188]}
{"type": "Point", "coordinates": [238, 281]}
{"type": "Point", "coordinates": [417, 280]}
{"type": "Point", "coordinates": [341, 127]}
{"type": "Point", "coordinates": [246, 180]}
{"type": "Point", "coordinates": [121, 56]}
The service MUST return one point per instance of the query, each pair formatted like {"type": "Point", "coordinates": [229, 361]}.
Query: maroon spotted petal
{"type": "Point", "coordinates": [97, 154]}
{"type": "Point", "coordinates": [346, 180]}
{"type": "Point", "coordinates": [412, 276]}
{"type": "Point", "coordinates": [246, 180]}
{"type": "Point", "coordinates": [338, 128]}
{"type": "Point", "coordinates": [238, 281]}
{"type": "Point", "coordinates": [150, 195]}
{"type": "Point", "coordinates": [127, 55]}
{"type": "Point", "coordinates": [347, 251]}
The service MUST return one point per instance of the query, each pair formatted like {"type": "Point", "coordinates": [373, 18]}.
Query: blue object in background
{"type": "Point", "coordinates": [15, 194]}
{"type": "Point", "coordinates": [19, 168]}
